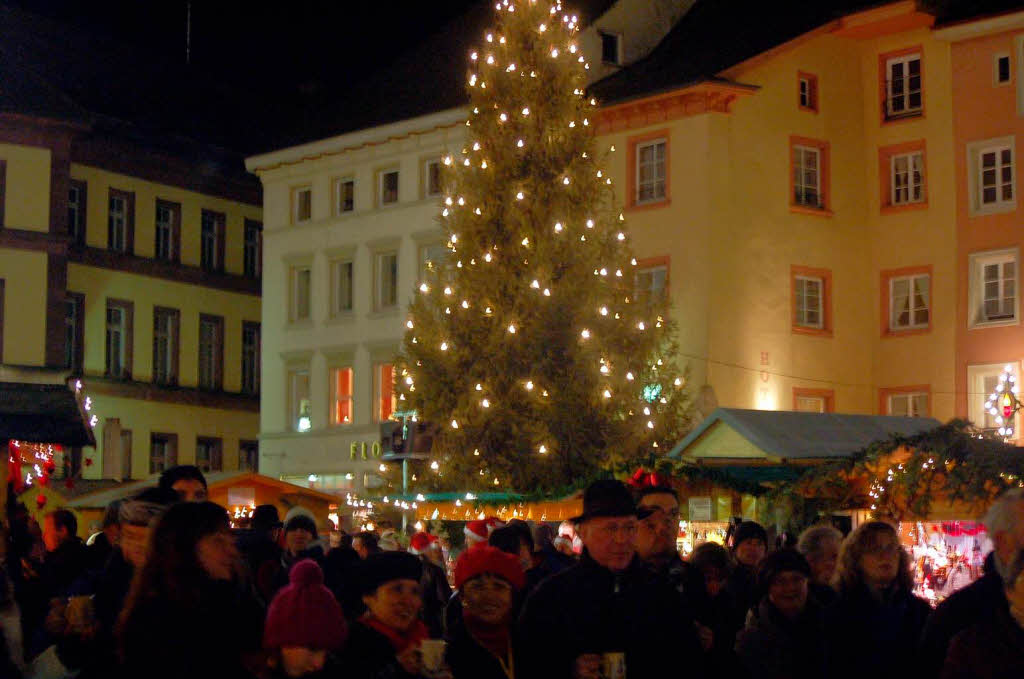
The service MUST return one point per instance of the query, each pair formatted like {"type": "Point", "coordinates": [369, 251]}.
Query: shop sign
{"type": "Point", "coordinates": [700, 508]}
{"type": "Point", "coordinates": [358, 450]}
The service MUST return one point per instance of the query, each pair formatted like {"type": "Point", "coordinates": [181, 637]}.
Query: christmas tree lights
{"type": "Point", "coordinates": [540, 371]}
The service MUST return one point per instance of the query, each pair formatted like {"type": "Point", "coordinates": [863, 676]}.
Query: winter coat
{"type": "Point", "coordinates": [263, 558]}
{"type": "Point", "coordinates": [742, 587]}
{"type": "Point", "coordinates": [868, 637]}
{"type": "Point", "coordinates": [772, 646]}
{"type": "Point", "coordinates": [675, 571]}
{"type": "Point", "coordinates": [63, 566]}
{"type": "Point", "coordinates": [213, 639]}
{"type": "Point", "coordinates": [467, 659]}
{"type": "Point", "coordinates": [990, 649]}
{"type": "Point", "coordinates": [369, 654]}
{"type": "Point", "coordinates": [823, 594]}
{"type": "Point", "coordinates": [589, 609]}
{"type": "Point", "coordinates": [436, 593]}
{"type": "Point", "coordinates": [970, 605]}
{"type": "Point", "coordinates": [99, 552]}
{"type": "Point", "coordinates": [286, 561]}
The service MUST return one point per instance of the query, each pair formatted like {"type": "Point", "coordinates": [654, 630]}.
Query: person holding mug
{"type": "Point", "coordinates": [483, 647]}
{"type": "Point", "coordinates": [387, 640]}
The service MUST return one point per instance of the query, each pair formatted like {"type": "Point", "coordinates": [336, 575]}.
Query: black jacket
{"type": "Point", "coordinates": [369, 655]}
{"type": "Point", "coordinates": [772, 646]}
{"type": "Point", "coordinates": [742, 588]}
{"type": "Point", "coordinates": [212, 640]}
{"type": "Point", "coordinates": [868, 637]}
{"type": "Point", "coordinates": [63, 566]}
{"type": "Point", "coordinates": [973, 604]}
{"type": "Point", "coordinates": [992, 648]}
{"type": "Point", "coordinates": [436, 593]}
{"type": "Point", "coordinates": [590, 609]}
{"type": "Point", "coordinates": [469, 660]}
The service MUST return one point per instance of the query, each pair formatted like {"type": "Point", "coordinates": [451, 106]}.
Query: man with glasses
{"type": "Point", "coordinates": [607, 611]}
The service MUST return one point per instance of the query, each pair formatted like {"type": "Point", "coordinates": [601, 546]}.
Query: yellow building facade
{"type": "Point", "coordinates": [124, 261]}
{"type": "Point", "coordinates": [738, 243]}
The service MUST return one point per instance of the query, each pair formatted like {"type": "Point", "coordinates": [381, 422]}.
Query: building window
{"type": "Point", "coordinates": [168, 231]}
{"type": "Point", "coordinates": [345, 195]}
{"type": "Point", "coordinates": [212, 241]}
{"type": "Point", "coordinates": [299, 405]}
{"type": "Point", "coordinates": [907, 175]}
{"type": "Point", "coordinates": [250, 357]}
{"type": "Point", "coordinates": [209, 454]}
{"type": "Point", "coordinates": [3, 189]}
{"type": "Point", "coordinates": [301, 280]}
{"type": "Point", "coordinates": [342, 279]}
{"type": "Point", "coordinates": [611, 48]}
{"type": "Point", "coordinates": [993, 287]}
{"type": "Point", "coordinates": [248, 456]}
{"type": "Point", "coordinates": [302, 204]}
{"type": "Point", "coordinates": [991, 176]}
{"type": "Point", "coordinates": [121, 221]}
{"type": "Point", "coordinates": [650, 282]}
{"type": "Point", "coordinates": [384, 391]}
{"type": "Point", "coordinates": [252, 249]}
{"type": "Point", "coordinates": [813, 400]}
{"type": "Point", "coordinates": [651, 171]}
{"type": "Point", "coordinates": [981, 383]}
{"type": "Point", "coordinates": [809, 302]}
{"type": "Point", "coordinates": [163, 452]}
{"type": "Point", "coordinates": [432, 258]}
{"type": "Point", "coordinates": [909, 301]}
{"type": "Point", "coordinates": [341, 396]}
{"type": "Point", "coordinates": [74, 331]}
{"type": "Point", "coordinates": [76, 211]}
{"type": "Point", "coordinates": [166, 329]}
{"type": "Point", "coordinates": [812, 300]}
{"type": "Point", "coordinates": [807, 91]}
{"type": "Point", "coordinates": [907, 403]}
{"type": "Point", "coordinates": [387, 187]}
{"type": "Point", "coordinates": [211, 352]}
{"type": "Point", "coordinates": [995, 176]}
{"type": "Point", "coordinates": [119, 339]}
{"type": "Point", "coordinates": [1001, 71]}
{"type": "Point", "coordinates": [903, 85]}
{"type": "Point", "coordinates": [809, 182]}
{"type": "Point", "coordinates": [432, 178]}
{"type": "Point", "coordinates": [386, 281]}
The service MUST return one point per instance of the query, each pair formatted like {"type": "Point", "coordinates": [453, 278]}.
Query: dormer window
{"type": "Point", "coordinates": [611, 48]}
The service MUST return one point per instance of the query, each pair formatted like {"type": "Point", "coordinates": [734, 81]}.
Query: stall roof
{"type": "Point", "coordinates": [781, 436]}
{"type": "Point", "coordinates": [38, 405]}
{"type": "Point", "coordinates": [214, 480]}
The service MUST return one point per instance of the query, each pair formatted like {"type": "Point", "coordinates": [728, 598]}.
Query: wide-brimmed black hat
{"type": "Point", "coordinates": [383, 567]}
{"type": "Point", "coordinates": [609, 497]}
{"type": "Point", "coordinates": [265, 517]}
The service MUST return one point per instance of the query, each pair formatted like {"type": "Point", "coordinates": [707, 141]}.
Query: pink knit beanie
{"type": "Point", "coordinates": [305, 613]}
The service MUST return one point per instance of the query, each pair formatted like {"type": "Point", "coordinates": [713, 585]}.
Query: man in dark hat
{"type": "Point", "coordinates": [656, 534]}
{"type": "Point", "coordinates": [608, 609]}
{"type": "Point", "coordinates": [260, 550]}
{"type": "Point", "coordinates": [749, 547]}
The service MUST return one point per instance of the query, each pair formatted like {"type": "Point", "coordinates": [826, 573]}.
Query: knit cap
{"type": "Point", "coordinates": [779, 562]}
{"type": "Point", "coordinates": [476, 532]}
{"type": "Point", "coordinates": [488, 560]}
{"type": "Point", "coordinates": [420, 542]}
{"type": "Point", "coordinates": [305, 613]}
{"type": "Point", "coordinates": [749, 530]}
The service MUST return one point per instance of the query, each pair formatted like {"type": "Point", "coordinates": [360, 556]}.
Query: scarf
{"type": "Point", "coordinates": [416, 633]}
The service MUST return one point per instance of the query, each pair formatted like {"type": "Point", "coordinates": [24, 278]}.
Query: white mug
{"type": "Point", "coordinates": [432, 651]}
{"type": "Point", "coordinates": [613, 666]}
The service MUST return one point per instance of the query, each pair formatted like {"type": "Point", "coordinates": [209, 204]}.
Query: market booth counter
{"type": "Point", "coordinates": [44, 420]}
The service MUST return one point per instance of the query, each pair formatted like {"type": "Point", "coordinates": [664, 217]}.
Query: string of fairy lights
{"type": "Point", "coordinates": [516, 128]}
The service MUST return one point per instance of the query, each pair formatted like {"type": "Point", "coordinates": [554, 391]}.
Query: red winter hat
{"type": "Point", "coordinates": [476, 531]}
{"type": "Point", "coordinates": [420, 542]}
{"type": "Point", "coordinates": [305, 613]}
{"type": "Point", "coordinates": [493, 523]}
{"type": "Point", "coordinates": [490, 560]}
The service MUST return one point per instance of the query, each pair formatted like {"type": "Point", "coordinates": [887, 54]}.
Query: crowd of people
{"type": "Point", "coordinates": [167, 590]}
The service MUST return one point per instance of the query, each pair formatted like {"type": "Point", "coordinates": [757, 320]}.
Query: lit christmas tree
{"type": "Point", "coordinates": [528, 346]}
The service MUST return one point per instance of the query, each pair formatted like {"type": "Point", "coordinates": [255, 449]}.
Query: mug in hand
{"type": "Point", "coordinates": [613, 666]}
{"type": "Point", "coordinates": [432, 651]}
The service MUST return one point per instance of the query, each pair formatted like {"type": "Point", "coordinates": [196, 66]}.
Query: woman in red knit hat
{"type": "Point", "coordinates": [304, 624]}
{"type": "Point", "coordinates": [482, 647]}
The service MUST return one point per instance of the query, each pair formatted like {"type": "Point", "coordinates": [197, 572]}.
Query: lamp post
{"type": "Point", "coordinates": [1003, 403]}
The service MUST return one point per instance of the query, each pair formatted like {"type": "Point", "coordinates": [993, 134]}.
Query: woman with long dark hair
{"type": "Point", "coordinates": [875, 625]}
{"type": "Point", "coordinates": [186, 614]}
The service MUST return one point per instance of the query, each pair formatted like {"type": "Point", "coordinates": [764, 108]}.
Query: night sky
{"type": "Point", "coordinates": [255, 67]}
